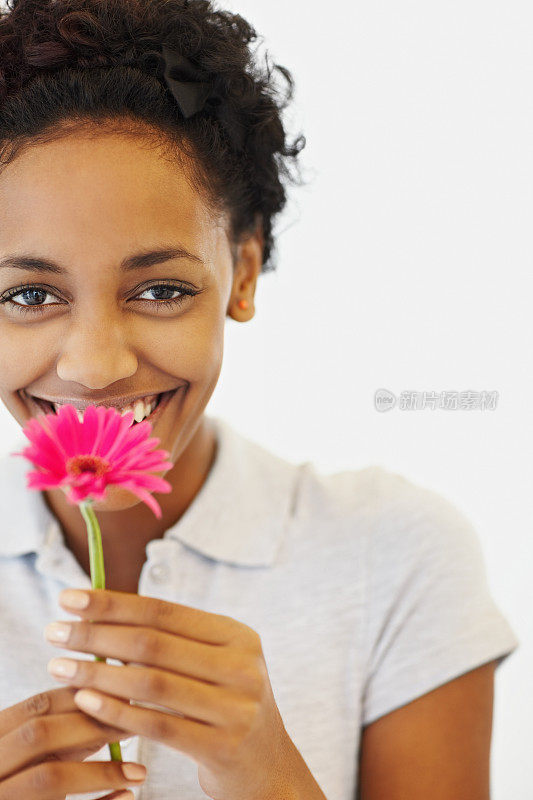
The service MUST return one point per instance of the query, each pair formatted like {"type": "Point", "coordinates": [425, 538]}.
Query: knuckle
{"type": "Point", "coordinates": [161, 612]}
{"type": "Point", "coordinates": [153, 684]}
{"type": "Point", "coordinates": [254, 637]}
{"type": "Point", "coordinates": [227, 747]}
{"type": "Point", "coordinates": [247, 637]}
{"type": "Point", "coordinates": [247, 714]}
{"type": "Point", "coordinates": [45, 776]}
{"type": "Point", "coordinates": [255, 646]}
{"type": "Point", "coordinates": [82, 634]}
{"type": "Point", "coordinates": [108, 732]}
{"type": "Point", "coordinates": [247, 675]}
{"type": "Point", "coordinates": [161, 727]}
{"type": "Point", "coordinates": [106, 602]}
{"type": "Point", "coordinates": [254, 682]}
{"type": "Point", "coordinates": [233, 625]}
{"type": "Point", "coordinates": [85, 673]}
{"type": "Point", "coordinates": [147, 646]}
{"type": "Point", "coordinates": [241, 713]}
{"type": "Point", "coordinates": [34, 731]}
{"type": "Point", "coordinates": [121, 720]}
{"type": "Point", "coordinates": [37, 704]}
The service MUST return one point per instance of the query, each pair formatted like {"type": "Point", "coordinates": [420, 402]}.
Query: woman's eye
{"type": "Point", "coordinates": [168, 289]}
{"type": "Point", "coordinates": [165, 289]}
{"type": "Point", "coordinates": [32, 293]}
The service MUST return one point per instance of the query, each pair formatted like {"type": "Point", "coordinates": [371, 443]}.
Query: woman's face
{"type": "Point", "coordinates": [91, 330]}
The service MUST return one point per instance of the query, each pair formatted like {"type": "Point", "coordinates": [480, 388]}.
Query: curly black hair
{"type": "Point", "coordinates": [77, 65]}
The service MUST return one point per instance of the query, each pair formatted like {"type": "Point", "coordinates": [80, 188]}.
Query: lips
{"type": "Point", "coordinates": [42, 406]}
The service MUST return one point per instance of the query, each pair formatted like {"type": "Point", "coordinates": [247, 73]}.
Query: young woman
{"type": "Point", "coordinates": [277, 633]}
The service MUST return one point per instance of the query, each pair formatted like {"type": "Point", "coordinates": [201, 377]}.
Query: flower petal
{"type": "Point", "coordinates": [143, 479]}
{"type": "Point", "coordinates": [133, 436]}
{"type": "Point", "coordinates": [72, 431]}
{"type": "Point", "coordinates": [140, 453]}
{"type": "Point", "coordinates": [145, 496]}
{"type": "Point", "coordinates": [90, 428]}
{"type": "Point", "coordinates": [101, 419]}
{"type": "Point", "coordinates": [116, 433]}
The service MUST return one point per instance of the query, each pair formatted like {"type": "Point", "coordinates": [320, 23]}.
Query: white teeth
{"type": "Point", "coordinates": [140, 408]}
{"type": "Point", "coordinates": [140, 411]}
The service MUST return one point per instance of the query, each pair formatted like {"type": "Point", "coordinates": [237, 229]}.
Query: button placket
{"type": "Point", "coordinates": [159, 567]}
{"type": "Point", "coordinates": [159, 572]}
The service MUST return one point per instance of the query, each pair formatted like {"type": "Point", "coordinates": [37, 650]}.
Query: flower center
{"type": "Point", "coordinates": [87, 463]}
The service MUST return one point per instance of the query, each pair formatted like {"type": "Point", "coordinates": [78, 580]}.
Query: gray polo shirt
{"type": "Point", "coordinates": [366, 589]}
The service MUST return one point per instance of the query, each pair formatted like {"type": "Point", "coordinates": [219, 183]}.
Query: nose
{"type": "Point", "coordinates": [95, 354]}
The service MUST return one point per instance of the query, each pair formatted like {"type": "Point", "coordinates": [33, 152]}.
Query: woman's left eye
{"type": "Point", "coordinates": [184, 291]}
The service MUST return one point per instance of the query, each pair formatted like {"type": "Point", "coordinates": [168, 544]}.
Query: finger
{"type": "Point", "coordinates": [55, 701]}
{"type": "Point", "coordinates": [110, 734]}
{"type": "Point", "coordinates": [195, 739]}
{"type": "Point", "coordinates": [185, 696]}
{"type": "Point", "coordinates": [122, 794]}
{"type": "Point", "coordinates": [52, 701]}
{"type": "Point", "coordinates": [80, 753]}
{"type": "Point", "coordinates": [50, 780]}
{"type": "Point", "coordinates": [138, 645]}
{"type": "Point", "coordinates": [125, 608]}
{"type": "Point", "coordinates": [38, 736]}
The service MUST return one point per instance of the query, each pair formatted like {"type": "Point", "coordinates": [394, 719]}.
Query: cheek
{"type": "Point", "coordinates": [16, 369]}
{"type": "Point", "coordinates": [16, 342]}
{"type": "Point", "coordinates": [194, 350]}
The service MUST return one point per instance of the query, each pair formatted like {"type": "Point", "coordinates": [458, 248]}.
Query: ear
{"type": "Point", "coordinates": [247, 267]}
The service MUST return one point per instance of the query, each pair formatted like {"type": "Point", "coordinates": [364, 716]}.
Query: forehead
{"type": "Point", "coordinates": [110, 190]}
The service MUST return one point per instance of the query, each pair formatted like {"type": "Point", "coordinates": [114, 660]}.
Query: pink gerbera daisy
{"type": "Point", "coordinates": [83, 458]}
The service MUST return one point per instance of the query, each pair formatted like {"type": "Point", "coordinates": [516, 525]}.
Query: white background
{"type": "Point", "coordinates": [405, 263]}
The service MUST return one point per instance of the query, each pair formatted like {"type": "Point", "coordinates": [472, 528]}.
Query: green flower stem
{"type": "Point", "coordinates": [96, 559]}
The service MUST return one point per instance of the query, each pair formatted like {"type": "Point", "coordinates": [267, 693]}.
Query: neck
{"type": "Point", "coordinates": [126, 533]}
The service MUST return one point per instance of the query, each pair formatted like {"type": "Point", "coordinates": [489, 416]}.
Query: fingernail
{"type": "Point", "coordinates": [57, 631]}
{"type": "Point", "coordinates": [134, 772]}
{"type": "Point", "coordinates": [88, 700]}
{"type": "Point", "coordinates": [124, 796]}
{"type": "Point", "coordinates": [74, 598]}
{"type": "Point", "coordinates": [62, 666]}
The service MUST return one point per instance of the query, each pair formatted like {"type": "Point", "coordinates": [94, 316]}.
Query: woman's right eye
{"type": "Point", "coordinates": [22, 291]}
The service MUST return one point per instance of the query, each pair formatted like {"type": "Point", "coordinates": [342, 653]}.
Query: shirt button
{"type": "Point", "coordinates": [160, 573]}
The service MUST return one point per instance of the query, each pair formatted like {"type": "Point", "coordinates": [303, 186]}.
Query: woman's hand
{"type": "Point", "coordinates": [42, 740]}
{"type": "Point", "coordinates": [206, 671]}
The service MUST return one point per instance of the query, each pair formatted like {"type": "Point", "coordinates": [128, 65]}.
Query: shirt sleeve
{"type": "Point", "coordinates": [430, 614]}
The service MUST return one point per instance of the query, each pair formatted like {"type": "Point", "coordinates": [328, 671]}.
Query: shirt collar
{"type": "Point", "coordinates": [240, 514]}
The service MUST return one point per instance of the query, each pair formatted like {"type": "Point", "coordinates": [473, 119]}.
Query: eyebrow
{"type": "Point", "coordinates": [141, 260]}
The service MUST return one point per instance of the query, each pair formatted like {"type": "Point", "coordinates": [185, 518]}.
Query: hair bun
{"type": "Point", "coordinates": [229, 115]}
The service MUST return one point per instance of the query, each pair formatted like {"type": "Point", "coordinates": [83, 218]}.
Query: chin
{"type": "Point", "coordinates": [117, 499]}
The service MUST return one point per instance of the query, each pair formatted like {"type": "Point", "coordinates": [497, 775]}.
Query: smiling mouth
{"type": "Point", "coordinates": [48, 408]}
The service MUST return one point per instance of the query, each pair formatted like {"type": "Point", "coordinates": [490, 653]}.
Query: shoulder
{"type": "Point", "coordinates": [403, 538]}
{"type": "Point", "coordinates": [392, 508]}
{"type": "Point", "coordinates": [431, 615]}
{"type": "Point", "coordinates": [416, 524]}
{"type": "Point", "coordinates": [397, 520]}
